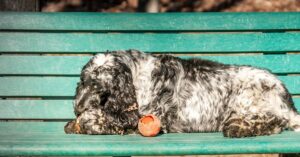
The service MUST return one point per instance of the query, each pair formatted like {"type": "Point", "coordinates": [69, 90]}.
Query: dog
{"type": "Point", "coordinates": [188, 95]}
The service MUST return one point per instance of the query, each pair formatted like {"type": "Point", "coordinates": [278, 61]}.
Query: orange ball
{"type": "Point", "coordinates": [149, 125]}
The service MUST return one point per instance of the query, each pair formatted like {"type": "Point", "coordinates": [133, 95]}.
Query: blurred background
{"type": "Point", "coordinates": [151, 5]}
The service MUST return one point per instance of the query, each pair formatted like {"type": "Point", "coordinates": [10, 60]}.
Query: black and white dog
{"type": "Point", "coordinates": [195, 95]}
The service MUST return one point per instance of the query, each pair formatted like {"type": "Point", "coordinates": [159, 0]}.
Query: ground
{"type": "Point", "coordinates": [171, 5]}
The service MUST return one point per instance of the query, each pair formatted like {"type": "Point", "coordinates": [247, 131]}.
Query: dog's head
{"type": "Point", "coordinates": [108, 88]}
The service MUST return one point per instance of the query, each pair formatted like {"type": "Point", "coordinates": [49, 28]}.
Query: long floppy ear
{"type": "Point", "coordinates": [121, 101]}
{"type": "Point", "coordinates": [83, 87]}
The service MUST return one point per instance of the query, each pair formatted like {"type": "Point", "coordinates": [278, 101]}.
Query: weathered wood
{"type": "Point", "coordinates": [72, 65]}
{"type": "Point", "coordinates": [40, 138]}
{"type": "Point", "coordinates": [48, 109]}
{"type": "Point", "coordinates": [38, 86]}
{"type": "Point", "coordinates": [150, 22]}
{"type": "Point", "coordinates": [43, 65]}
{"type": "Point", "coordinates": [36, 109]}
{"type": "Point", "coordinates": [65, 86]}
{"type": "Point", "coordinates": [18, 42]}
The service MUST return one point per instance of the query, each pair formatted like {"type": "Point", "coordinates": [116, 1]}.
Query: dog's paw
{"type": "Point", "coordinates": [237, 128]}
{"type": "Point", "coordinates": [72, 127]}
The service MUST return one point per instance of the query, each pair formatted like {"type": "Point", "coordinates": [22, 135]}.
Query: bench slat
{"type": "Point", "coordinates": [36, 109]}
{"type": "Point", "coordinates": [71, 65]}
{"type": "Point", "coordinates": [150, 22]}
{"type": "Point", "coordinates": [40, 138]}
{"type": "Point", "coordinates": [18, 42]}
{"type": "Point", "coordinates": [38, 86]}
{"type": "Point", "coordinates": [48, 109]}
{"type": "Point", "coordinates": [43, 65]}
{"type": "Point", "coordinates": [65, 86]}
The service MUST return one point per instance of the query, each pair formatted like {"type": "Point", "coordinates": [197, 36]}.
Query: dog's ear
{"type": "Point", "coordinates": [84, 88]}
{"type": "Point", "coordinates": [121, 88]}
{"type": "Point", "coordinates": [121, 101]}
{"type": "Point", "coordinates": [112, 82]}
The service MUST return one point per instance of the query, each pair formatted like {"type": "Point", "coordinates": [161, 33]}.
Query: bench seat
{"type": "Point", "coordinates": [40, 138]}
{"type": "Point", "coordinates": [41, 56]}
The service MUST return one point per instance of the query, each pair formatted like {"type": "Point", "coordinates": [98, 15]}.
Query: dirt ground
{"type": "Point", "coordinates": [170, 5]}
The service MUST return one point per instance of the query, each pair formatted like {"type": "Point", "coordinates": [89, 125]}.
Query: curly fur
{"type": "Point", "coordinates": [194, 95]}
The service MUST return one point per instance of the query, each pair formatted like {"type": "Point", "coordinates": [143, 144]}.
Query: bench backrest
{"type": "Point", "coordinates": [42, 53]}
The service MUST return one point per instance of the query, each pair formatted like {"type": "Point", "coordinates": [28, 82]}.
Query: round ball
{"type": "Point", "coordinates": [149, 125]}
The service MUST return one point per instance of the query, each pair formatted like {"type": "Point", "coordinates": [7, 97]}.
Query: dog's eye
{"type": "Point", "coordinates": [104, 98]}
{"type": "Point", "coordinates": [94, 85]}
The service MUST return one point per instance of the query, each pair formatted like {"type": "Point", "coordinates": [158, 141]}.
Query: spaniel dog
{"type": "Point", "coordinates": [187, 95]}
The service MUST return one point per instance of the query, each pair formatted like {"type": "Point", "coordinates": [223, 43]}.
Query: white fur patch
{"type": "Point", "coordinates": [142, 81]}
{"type": "Point", "coordinates": [99, 59]}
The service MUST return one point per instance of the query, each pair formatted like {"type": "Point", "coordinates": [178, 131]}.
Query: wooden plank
{"type": "Point", "coordinates": [33, 127]}
{"type": "Point", "coordinates": [292, 83]}
{"type": "Point", "coordinates": [18, 42]}
{"type": "Point", "coordinates": [47, 109]}
{"type": "Point", "coordinates": [150, 22]}
{"type": "Point", "coordinates": [42, 139]}
{"type": "Point", "coordinates": [43, 65]}
{"type": "Point", "coordinates": [72, 65]}
{"type": "Point", "coordinates": [275, 63]}
{"type": "Point", "coordinates": [65, 86]}
{"type": "Point", "coordinates": [38, 86]}
{"type": "Point", "coordinates": [297, 103]}
{"type": "Point", "coordinates": [36, 109]}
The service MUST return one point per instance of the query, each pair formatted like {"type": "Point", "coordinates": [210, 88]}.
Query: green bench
{"type": "Point", "coordinates": [42, 55]}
